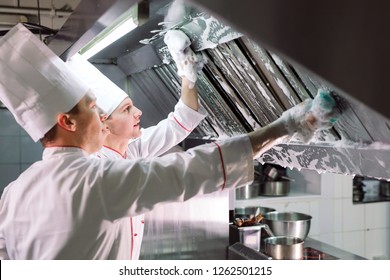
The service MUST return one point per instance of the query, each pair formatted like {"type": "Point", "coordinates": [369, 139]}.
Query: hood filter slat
{"type": "Point", "coordinates": [264, 64]}
{"type": "Point", "coordinates": [254, 94]}
{"type": "Point", "coordinates": [291, 76]}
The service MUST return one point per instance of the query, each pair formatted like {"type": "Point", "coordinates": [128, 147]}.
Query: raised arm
{"type": "Point", "coordinates": [189, 96]}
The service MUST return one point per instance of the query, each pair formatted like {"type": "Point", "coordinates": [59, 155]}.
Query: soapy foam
{"type": "Point", "coordinates": [303, 120]}
{"type": "Point", "coordinates": [188, 63]}
{"type": "Point", "coordinates": [214, 34]}
{"type": "Point", "coordinates": [337, 157]}
{"type": "Point", "coordinates": [175, 14]}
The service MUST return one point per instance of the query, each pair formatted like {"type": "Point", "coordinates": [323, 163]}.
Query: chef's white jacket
{"type": "Point", "coordinates": [155, 141]}
{"type": "Point", "coordinates": [70, 206]}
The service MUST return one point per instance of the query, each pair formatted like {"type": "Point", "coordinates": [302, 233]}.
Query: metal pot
{"type": "Point", "coordinates": [248, 191]}
{"type": "Point", "coordinates": [274, 188]}
{"type": "Point", "coordinates": [284, 247]}
{"type": "Point", "coordinates": [292, 224]}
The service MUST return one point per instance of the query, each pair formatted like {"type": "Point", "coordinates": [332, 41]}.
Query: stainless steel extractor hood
{"type": "Point", "coordinates": [263, 59]}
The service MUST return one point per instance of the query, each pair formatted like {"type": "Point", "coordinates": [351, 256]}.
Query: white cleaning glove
{"type": "Point", "coordinates": [304, 119]}
{"type": "Point", "coordinates": [188, 63]}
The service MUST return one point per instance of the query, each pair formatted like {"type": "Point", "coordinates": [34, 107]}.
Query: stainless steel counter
{"type": "Point", "coordinates": [238, 251]}
{"type": "Point", "coordinates": [331, 250]}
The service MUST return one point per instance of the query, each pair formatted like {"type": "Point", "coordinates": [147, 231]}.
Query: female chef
{"type": "Point", "coordinates": [70, 205]}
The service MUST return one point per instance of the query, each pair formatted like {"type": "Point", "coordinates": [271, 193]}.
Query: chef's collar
{"type": "Point", "coordinates": [63, 151]}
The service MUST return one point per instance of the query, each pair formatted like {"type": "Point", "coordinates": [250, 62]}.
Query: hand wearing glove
{"type": "Point", "coordinates": [188, 63]}
{"type": "Point", "coordinates": [312, 115]}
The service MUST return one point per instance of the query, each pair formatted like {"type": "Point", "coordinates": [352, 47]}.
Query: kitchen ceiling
{"type": "Point", "coordinates": [244, 85]}
{"type": "Point", "coordinates": [51, 13]}
{"type": "Point", "coordinates": [43, 17]}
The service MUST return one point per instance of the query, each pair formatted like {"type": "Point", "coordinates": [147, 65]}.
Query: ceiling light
{"type": "Point", "coordinates": [126, 23]}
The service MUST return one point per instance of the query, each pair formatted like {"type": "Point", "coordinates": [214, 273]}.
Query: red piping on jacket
{"type": "Point", "coordinates": [223, 166]}
{"type": "Point", "coordinates": [186, 129]}
{"type": "Point", "coordinates": [132, 239]}
{"type": "Point", "coordinates": [124, 156]}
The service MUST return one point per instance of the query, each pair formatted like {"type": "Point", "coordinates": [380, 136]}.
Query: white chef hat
{"type": "Point", "coordinates": [108, 95]}
{"type": "Point", "coordinates": [35, 84]}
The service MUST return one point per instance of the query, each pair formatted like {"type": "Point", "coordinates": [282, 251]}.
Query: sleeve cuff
{"type": "Point", "coordinates": [235, 169]}
{"type": "Point", "coordinates": [186, 117]}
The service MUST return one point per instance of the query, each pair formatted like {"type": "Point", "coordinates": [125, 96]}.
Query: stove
{"type": "Point", "coordinates": [310, 253]}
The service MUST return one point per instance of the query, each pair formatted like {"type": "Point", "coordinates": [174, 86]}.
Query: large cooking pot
{"type": "Point", "coordinates": [292, 224]}
{"type": "Point", "coordinates": [274, 188]}
{"type": "Point", "coordinates": [248, 191]}
{"type": "Point", "coordinates": [284, 247]}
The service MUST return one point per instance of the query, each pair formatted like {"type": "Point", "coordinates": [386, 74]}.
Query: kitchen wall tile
{"type": "Point", "coordinates": [338, 188]}
{"type": "Point", "coordinates": [260, 202]}
{"type": "Point", "coordinates": [315, 213]}
{"type": "Point", "coordinates": [316, 237]}
{"type": "Point", "coordinates": [338, 240]}
{"type": "Point", "coordinates": [326, 216]}
{"type": "Point", "coordinates": [327, 185]}
{"type": "Point", "coordinates": [30, 151]}
{"type": "Point", "coordinates": [345, 182]}
{"type": "Point", "coordinates": [342, 185]}
{"type": "Point", "coordinates": [337, 216]}
{"type": "Point", "coordinates": [9, 149]}
{"type": "Point", "coordinates": [386, 243]}
{"type": "Point", "coordinates": [23, 132]}
{"type": "Point", "coordinates": [277, 206]}
{"type": "Point", "coordinates": [24, 166]}
{"type": "Point", "coordinates": [354, 242]}
{"type": "Point", "coordinates": [377, 215]}
{"type": "Point", "coordinates": [8, 173]}
{"type": "Point", "coordinates": [377, 243]}
{"type": "Point", "coordinates": [328, 238]}
{"type": "Point", "coordinates": [330, 216]}
{"type": "Point", "coordinates": [8, 125]}
{"type": "Point", "coordinates": [353, 215]}
{"type": "Point", "coordinates": [312, 181]}
{"type": "Point", "coordinates": [339, 183]}
{"type": "Point", "coordinates": [301, 207]}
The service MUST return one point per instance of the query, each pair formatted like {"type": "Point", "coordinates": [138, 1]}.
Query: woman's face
{"type": "Point", "coordinates": [124, 121]}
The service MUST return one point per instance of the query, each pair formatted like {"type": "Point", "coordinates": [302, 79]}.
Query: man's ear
{"type": "Point", "coordinates": [66, 122]}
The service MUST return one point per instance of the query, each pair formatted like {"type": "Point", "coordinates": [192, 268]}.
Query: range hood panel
{"type": "Point", "coordinates": [343, 42]}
